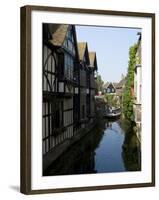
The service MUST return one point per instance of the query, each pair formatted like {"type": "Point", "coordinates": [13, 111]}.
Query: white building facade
{"type": "Point", "coordinates": [138, 86]}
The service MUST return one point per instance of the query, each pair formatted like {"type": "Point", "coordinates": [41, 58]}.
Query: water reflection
{"type": "Point", "coordinates": [131, 151]}
{"type": "Point", "coordinates": [109, 153]}
{"type": "Point", "coordinates": [108, 148]}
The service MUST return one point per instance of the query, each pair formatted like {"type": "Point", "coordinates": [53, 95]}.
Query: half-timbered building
{"type": "Point", "coordinates": [68, 90]}
{"type": "Point", "coordinates": [84, 81]}
{"type": "Point", "coordinates": [60, 57]}
{"type": "Point", "coordinates": [92, 85]}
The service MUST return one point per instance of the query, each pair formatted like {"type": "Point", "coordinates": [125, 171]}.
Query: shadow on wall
{"type": "Point", "coordinates": [15, 188]}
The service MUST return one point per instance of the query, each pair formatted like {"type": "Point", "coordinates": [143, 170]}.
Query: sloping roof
{"type": "Point", "coordinates": [121, 83]}
{"type": "Point", "coordinates": [106, 84]}
{"type": "Point", "coordinates": [58, 34]}
{"type": "Point", "coordinates": [81, 49]}
{"type": "Point", "coordinates": [110, 83]}
{"type": "Point", "coordinates": [115, 84]}
{"type": "Point", "coordinates": [93, 60]}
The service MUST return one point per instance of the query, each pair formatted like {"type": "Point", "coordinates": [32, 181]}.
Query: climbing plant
{"type": "Point", "coordinates": [127, 95]}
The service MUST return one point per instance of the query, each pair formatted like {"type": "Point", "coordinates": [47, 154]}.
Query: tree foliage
{"type": "Point", "coordinates": [112, 100]}
{"type": "Point", "coordinates": [100, 83]}
{"type": "Point", "coordinates": [127, 96]}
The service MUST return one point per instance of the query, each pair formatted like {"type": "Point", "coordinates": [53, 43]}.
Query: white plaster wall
{"type": "Point", "coordinates": [61, 86]}
{"type": "Point", "coordinates": [139, 83]}
{"type": "Point", "coordinates": [50, 63]}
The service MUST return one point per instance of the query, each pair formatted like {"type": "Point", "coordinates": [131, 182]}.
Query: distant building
{"type": "Point", "coordinates": [115, 89]}
{"type": "Point", "coordinates": [120, 90]}
{"type": "Point", "coordinates": [120, 87]}
{"type": "Point", "coordinates": [109, 88]}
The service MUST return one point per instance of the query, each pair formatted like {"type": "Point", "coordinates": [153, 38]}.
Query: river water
{"type": "Point", "coordinates": [109, 147]}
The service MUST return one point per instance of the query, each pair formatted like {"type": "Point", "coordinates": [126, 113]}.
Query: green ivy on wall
{"type": "Point", "coordinates": [127, 95]}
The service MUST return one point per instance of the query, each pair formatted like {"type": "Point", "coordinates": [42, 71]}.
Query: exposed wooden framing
{"type": "Point", "coordinates": [54, 95]}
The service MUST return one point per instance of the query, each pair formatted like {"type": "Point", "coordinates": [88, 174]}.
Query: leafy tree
{"type": "Point", "coordinates": [100, 83]}
{"type": "Point", "coordinates": [111, 100]}
{"type": "Point", "coordinates": [127, 96]}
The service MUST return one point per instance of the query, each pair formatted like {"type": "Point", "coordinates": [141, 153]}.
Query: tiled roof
{"type": "Point", "coordinates": [121, 83]}
{"type": "Point", "coordinates": [106, 84]}
{"type": "Point", "coordinates": [58, 34]}
{"type": "Point", "coordinates": [81, 49]}
{"type": "Point", "coordinates": [115, 84]}
{"type": "Point", "coordinates": [92, 58]}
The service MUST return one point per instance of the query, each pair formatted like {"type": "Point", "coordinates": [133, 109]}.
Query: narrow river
{"type": "Point", "coordinates": [108, 155]}
{"type": "Point", "coordinates": [107, 148]}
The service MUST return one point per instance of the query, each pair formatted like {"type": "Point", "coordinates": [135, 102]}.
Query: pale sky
{"type": "Point", "coordinates": [112, 48]}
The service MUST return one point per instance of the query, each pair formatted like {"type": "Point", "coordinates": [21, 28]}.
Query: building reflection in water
{"type": "Point", "coordinates": [80, 158]}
